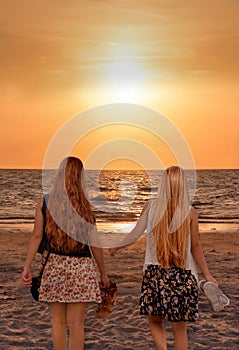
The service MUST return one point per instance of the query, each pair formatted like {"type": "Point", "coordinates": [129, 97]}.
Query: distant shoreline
{"type": "Point", "coordinates": [123, 226]}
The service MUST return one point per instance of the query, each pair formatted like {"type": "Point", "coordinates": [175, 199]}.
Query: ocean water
{"type": "Point", "coordinates": [118, 196]}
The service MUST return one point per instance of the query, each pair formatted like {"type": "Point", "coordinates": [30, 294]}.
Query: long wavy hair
{"type": "Point", "coordinates": [69, 216]}
{"type": "Point", "coordinates": [171, 219]}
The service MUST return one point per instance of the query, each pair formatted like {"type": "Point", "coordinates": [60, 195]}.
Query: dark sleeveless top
{"type": "Point", "coordinates": [45, 244]}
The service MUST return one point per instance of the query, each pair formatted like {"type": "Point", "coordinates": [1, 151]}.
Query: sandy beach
{"type": "Point", "coordinates": [25, 324]}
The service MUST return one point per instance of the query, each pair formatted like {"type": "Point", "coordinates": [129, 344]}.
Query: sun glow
{"type": "Point", "coordinates": [125, 81]}
{"type": "Point", "coordinates": [121, 75]}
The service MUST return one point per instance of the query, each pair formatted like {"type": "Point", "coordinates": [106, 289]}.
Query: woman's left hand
{"type": "Point", "coordinates": [27, 278]}
{"type": "Point", "coordinates": [113, 251]}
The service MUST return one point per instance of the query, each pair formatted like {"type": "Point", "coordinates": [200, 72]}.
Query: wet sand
{"type": "Point", "coordinates": [25, 324]}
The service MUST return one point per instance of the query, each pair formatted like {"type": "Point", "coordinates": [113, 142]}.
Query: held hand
{"type": "Point", "coordinates": [113, 251]}
{"type": "Point", "coordinates": [27, 278]}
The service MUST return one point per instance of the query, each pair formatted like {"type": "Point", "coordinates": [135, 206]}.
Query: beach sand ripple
{"type": "Point", "coordinates": [25, 324]}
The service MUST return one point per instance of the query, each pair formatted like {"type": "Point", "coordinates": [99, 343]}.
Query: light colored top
{"type": "Point", "coordinates": [150, 254]}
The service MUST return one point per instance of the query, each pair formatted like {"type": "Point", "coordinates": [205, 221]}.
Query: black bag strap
{"type": "Point", "coordinates": [44, 264]}
{"type": "Point", "coordinates": [44, 244]}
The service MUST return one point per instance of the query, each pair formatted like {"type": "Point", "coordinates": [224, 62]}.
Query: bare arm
{"type": "Point", "coordinates": [196, 247]}
{"type": "Point", "coordinates": [33, 244]}
{"type": "Point", "coordinates": [99, 258]}
{"type": "Point", "coordinates": [136, 233]}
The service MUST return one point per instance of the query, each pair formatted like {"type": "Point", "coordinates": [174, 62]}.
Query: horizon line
{"type": "Point", "coordinates": [120, 169]}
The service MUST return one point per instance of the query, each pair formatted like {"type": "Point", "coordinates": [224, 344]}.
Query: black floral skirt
{"type": "Point", "coordinates": [169, 293]}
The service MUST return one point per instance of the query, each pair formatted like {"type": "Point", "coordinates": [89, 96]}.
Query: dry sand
{"type": "Point", "coordinates": [25, 324]}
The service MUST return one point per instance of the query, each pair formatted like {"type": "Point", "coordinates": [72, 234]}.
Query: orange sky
{"type": "Point", "coordinates": [177, 57]}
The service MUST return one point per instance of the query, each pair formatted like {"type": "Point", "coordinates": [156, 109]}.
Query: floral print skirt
{"type": "Point", "coordinates": [68, 279]}
{"type": "Point", "coordinates": [170, 293]}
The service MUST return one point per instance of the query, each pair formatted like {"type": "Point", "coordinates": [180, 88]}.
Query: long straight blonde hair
{"type": "Point", "coordinates": [69, 215]}
{"type": "Point", "coordinates": [171, 219]}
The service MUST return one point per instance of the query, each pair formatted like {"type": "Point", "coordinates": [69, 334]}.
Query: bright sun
{"type": "Point", "coordinates": [124, 80]}
{"type": "Point", "coordinates": [121, 77]}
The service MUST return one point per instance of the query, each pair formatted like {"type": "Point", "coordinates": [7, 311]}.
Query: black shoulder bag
{"type": "Point", "coordinates": [36, 281]}
{"type": "Point", "coordinates": [44, 245]}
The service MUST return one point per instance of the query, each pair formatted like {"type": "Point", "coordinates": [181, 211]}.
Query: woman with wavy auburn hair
{"type": "Point", "coordinates": [69, 279]}
{"type": "Point", "coordinates": [169, 286]}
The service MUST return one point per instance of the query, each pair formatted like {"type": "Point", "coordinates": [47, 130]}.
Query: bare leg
{"type": "Point", "coordinates": [75, 320]}
{"type": "Point", "coordinates": [58, 313]}
{"type": "Point", "coordinates": [157, 331]}
{"type": "Point", "coordinates": [180, 335]}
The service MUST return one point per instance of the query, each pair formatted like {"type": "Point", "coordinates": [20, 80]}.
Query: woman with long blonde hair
{"type": "Point", "coordinates": [169, 286]}
{"type": "Point", "coordinates": [69, 279]}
